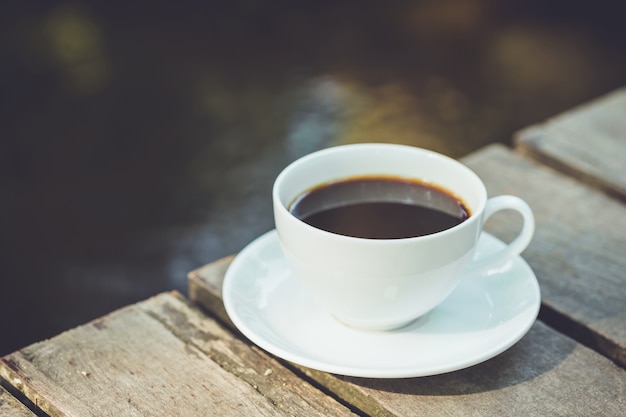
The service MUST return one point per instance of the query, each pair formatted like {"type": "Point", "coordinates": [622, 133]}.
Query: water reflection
{"type": "Point", "coordinates": [140, 142]}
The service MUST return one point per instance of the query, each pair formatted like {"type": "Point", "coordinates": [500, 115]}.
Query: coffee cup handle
{"type": "Point", "coordinates": [517, 245]}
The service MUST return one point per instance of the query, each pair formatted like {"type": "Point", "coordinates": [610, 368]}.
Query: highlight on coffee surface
{"type": "Point", "coordinates": [380, 207]}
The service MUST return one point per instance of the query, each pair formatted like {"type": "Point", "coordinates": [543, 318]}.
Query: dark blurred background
{"type": "Point", "coordinates": [139, 140]}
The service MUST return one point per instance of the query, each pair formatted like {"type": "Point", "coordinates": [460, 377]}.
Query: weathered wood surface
{"type": "Point", "coordinates": [588, 142]}
{"type": "Point", "coordinates": [578, 251]}
{"type": "Point", "coordinates": [205, 288]}
{"type": "Point", "coordinates": [11, 407]}
{"type": "Point", "coordinates": [159, 357]}
{"type": "Point", "coordinates": [546, 373]}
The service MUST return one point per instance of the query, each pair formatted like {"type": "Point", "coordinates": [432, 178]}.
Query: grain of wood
{"type": "Point", "coordinates": [206, 283]}
{"type": "Point", "coordinates": [544, 374]}
{"type": "Point", "coordinates": [138, 361]}
{"type": "Point", "coordinates": [588, 142]}
{"type": "Point", "coordinates": [11, 407]}
{"type": "Point", "coordinates": [251, 364]}
{"type": "Point", "coordinates": [578, 249]}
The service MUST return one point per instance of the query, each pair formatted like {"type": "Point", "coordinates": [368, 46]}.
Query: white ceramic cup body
{"type": "Point", "coordinates": [382, 284]}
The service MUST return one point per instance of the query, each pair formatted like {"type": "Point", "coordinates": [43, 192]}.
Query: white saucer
{"type": "Point", "coordinates": [485, 315]}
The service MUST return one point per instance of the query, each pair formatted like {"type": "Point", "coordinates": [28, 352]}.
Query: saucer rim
{"type": "Point", "coordinates": [297, 357]}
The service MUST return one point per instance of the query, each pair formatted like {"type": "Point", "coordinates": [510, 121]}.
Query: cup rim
{"type": "Point", "coordinates": [278, 203]}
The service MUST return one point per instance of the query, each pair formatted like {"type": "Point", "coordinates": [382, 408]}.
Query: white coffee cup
{"type": "Point", "coordinates": [383, 284]}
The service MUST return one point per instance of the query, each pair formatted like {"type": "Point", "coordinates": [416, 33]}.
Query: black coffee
{"type": "Point", "coordinates": [378, 207]}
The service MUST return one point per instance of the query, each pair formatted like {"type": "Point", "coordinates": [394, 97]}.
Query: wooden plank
{"type": "Point", "coordinates": [11, 407]}
{"type": "Point", "coordinates": [588, 142]}
{"type": "Point", "coordinates": [546, 373]}
{"type": "Point", "coordinates": [205, 288]}
{"type": "Point", "coordinates": [158, 357]}
{"type": "Point", "coordinates": [578, 249]}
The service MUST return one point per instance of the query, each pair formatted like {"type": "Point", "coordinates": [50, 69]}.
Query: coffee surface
{"type": "Point", "coordinates": [380, 208]}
